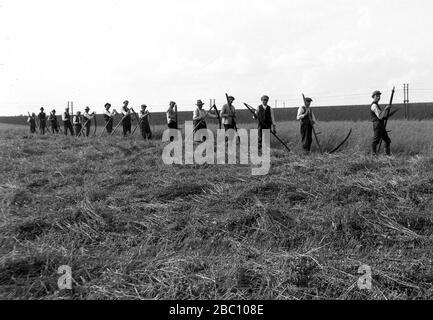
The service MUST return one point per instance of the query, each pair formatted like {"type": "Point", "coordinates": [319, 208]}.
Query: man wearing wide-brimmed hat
{"type": "Point", "coordinates": [228, 114]}
{"type": "Point", "coordinates": [307, 119]}
{"type": "Point", "coordinates": [108, 118]}
{"type": "Point", "coordinates": [199, 117]}
{"type": "Point", "coordinates": [42, 121]}
{"type": "Point", "coordinates": [378, 116]}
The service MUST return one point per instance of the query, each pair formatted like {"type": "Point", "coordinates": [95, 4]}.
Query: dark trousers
{"type": "Point", "coordinates": [87, 129]}
{"type": "Point", "coordinates": [380, 134]}
{"type": "Point", "coordinates": [260, 138]}
{"type": "Point", "coordinates": [146, 133]}
{"type": "Point", "coordinates": [67, 125]}
{"type": "Point", "coordinates": [54, 127]}
{"type": "Point", "coordinates": [32, 128]}
{"type": "Point", "coordinates": [77, 129]}
{"type": "Point", "coordinates": [42, 127]}
{"type": "Point", "coordinates": [230, 126]}
{"type": "Point", "coordinates": [306, 136]}
{"type": "Point", "coordinates": [198, 126]}
{"type": "Point", "coordinates": [109, 126]}
{"type": "Point", "coordinates": [126, 127]}
{"type": "Point", "coordinates": [172, 125]}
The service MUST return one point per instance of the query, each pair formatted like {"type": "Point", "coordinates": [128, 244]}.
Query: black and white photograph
{"type": "Point", "coordinates": [235, 152]}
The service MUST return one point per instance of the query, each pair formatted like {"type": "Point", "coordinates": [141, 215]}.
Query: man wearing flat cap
{"type": "Point", "coordinates": [265, 116]}
{"type": "Point", "coordinates": [378, 117]}
{"type": "Point", "coordinates": [53, 120]}
{"type": "Point", "coordinates": [171, 115]}
{"type": "Point", "coordinates": [126, 118]}
{"type": "Point", "coordinates": [77, 120]}
{"type": "Point", "coordinates": [67, 123]}
{"type": "Point", "coordinates": [42, 121]}
{"type": "Point", "coordinates": [228, 114]}
{"type": "Point", "coordinates": [307, 119]}
{"type": "Point", "coordinates": [146, 133]}
{"type": "Point", "coordinates": [199, 117]}
{"type": "Point", "coordinates": [87, 118]}
{"type": "Point", "coordinates": [32, 122]}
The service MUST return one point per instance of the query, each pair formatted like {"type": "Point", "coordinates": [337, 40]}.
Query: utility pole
{"type": "Point", "coordinates": [406, 100]}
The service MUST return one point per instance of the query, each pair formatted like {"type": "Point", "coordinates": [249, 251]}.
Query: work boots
{"type": "Point", "coordinates": [388, 150]}
{"type": "Point", "coordinates": [374, 149]}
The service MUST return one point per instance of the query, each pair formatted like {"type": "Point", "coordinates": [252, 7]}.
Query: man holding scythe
{"type": "Point", "coordinates": [87, 118]}
{"type": "Point", "coordinates": [146, 133]}
{"type": "Point", "coordinates": [127, 119]}
{"type": "Point", "coordinates": [42, 121]}
{"type": "Point", "coordinates": [308, 120]}
{"type": "Point", "coordinates": [379, 117]}
{"type": "Point", "coordinates": [67, 123]}
{"type": "Point", "coordinates": [228, 114]}
{"type": "Point", "coordinates": [266, 119]}
{"type": "Point", "coordinates": [199, 117]}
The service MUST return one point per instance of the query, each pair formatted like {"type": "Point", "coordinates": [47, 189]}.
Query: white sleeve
{"type": "Point", "coordinates": [196, 115]}
{"type": "Point", "coordinates": [375, 109]}
{"type": "Point", "coordinates": [300, 113]}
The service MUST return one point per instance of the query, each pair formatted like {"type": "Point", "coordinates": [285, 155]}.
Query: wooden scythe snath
{"type": "Point", "coordinates": [252, 110]}
{"type": "Point", "coordinates": [387, 116]}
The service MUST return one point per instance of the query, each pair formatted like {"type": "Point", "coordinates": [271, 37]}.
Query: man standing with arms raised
{"type": "Point", "coordinates": [172, 116]}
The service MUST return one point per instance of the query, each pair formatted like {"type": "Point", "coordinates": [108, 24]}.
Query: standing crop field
{"type": "Point", "coordinates": [131, 227]}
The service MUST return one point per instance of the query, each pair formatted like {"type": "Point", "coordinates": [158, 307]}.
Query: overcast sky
{"type": "Point", "coordinates": [92, 52]}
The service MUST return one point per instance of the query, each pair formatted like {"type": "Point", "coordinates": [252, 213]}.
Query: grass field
{"type": "Point", "coordinates": [131, 227]}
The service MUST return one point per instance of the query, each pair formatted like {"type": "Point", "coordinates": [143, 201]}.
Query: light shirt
{"type": "Point", "coordinates": [171, 115]}
{"type": "Point", "coordinates": [302, 115]}
{"type": "Point", "coordinates": [77, 119]}
{"type": "Point", "coordinates": [109, 114]}
{"type": "Point", "coordinates": [87, 115]}
{"type": "Point", "coordinates": [124, 112]}
{"type": "Point", "coordinates": [228, 113]}
{"type": "Point", "coordinates": [64, 117]}
{"type": "Point", "coordinates": [375, 108]}
{"type": "Point", "coordinates": [144, 114]}
{"type": "Point", "coordinates": [198, 114]}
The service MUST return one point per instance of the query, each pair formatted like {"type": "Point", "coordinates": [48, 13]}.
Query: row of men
{"type": "Point", "coordinates": [80, 123]}
{"type": "Point", "coordinates": [264, 115]}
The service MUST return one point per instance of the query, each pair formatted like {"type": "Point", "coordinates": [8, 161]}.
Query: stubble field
{"type": "Point", "coordinates": [131, 227]}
